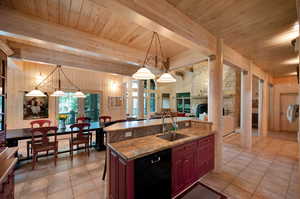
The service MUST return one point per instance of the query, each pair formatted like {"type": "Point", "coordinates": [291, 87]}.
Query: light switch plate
{"type": "Point", "coordinates": [128, 134]}
{"type": "Point", "coordinates": [187, 124]}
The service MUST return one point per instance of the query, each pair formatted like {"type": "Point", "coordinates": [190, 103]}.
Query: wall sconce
{"type": "Point", "coordinates": [114, 86]}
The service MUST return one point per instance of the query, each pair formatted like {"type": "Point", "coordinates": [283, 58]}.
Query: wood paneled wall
{"type": "Point", "coordinates": [22, 77]}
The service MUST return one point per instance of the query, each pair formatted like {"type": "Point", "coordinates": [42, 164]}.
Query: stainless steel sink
{"type": "Point", "coordinates": [172, 136]}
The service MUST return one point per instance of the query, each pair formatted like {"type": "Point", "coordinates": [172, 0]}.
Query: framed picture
{"type": "Point", "coordinates": [115, 101]}
{"type": "Point", "coordinates": [35, 107]}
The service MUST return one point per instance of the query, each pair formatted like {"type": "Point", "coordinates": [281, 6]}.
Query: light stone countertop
{"type": "Point", "coordinates": [138, 147]}
{"type": "Point", "coordinates": [146, 123]}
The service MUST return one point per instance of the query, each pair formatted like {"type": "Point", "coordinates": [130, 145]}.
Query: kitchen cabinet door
{"type": "Point", "coordinates": [183, 167]}
{"type": "Point", "coordinates": [177, 170]}
{"type": "Point", "coordinates": [121, 183]}
{"type": "Point", "coordinates": [205, 156]}
{"type": "Point", "coordinates": [113, 175]}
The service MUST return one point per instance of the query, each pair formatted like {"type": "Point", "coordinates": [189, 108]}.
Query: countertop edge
{"type": "Point", "coordinates": [160, 149]}
{"type": "Point", "coordinates": [110, 128]}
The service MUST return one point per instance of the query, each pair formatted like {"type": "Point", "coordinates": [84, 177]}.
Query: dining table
{"type": "Point", "coordinates": [13, 136]}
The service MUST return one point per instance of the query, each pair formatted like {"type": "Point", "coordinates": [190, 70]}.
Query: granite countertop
{"type": "Point", "coordinates": [138, 147]}
{"type": "Point", "coordinates": [145, 123]}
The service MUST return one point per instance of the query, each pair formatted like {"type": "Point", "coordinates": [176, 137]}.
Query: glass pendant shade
{"type": "Point", "coordinates": [79, 94]}
{"type": "Point", "coordinates": [58, 93]}
{"type": "Point", "coordinates": [35, 93]}
{"type": "Point", "coordinates": [166, 78]}
{"type": "Point", "coordinates": [143, 74]}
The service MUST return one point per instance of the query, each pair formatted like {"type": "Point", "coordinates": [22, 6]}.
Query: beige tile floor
{"type": "Point", "coordinates": [269, 171]}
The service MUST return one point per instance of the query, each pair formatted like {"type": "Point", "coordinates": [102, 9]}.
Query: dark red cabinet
{"type": "Point", "coordinates": [120, 177]}
{"type": "Point", "coordinates": [205, 156]}
{"type": "Point", "coordinates": [190, 162]}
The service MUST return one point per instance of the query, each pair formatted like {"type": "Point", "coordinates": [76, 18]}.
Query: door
{"type": "Point", "coordinates": [3, 74]}
{"type": "Point", "coordinates": [285, 101]}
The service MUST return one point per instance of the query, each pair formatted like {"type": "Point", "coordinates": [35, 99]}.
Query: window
{"type": "Point", "coordinates": [183, 101]}
{"type": "Point", "coordinates": [132, 106]}
{"type": "Point", "coordinates": [135, 84]}
{"type": "Point", "coordinates": [92, 106]}
{"type": "Point", "coordinates": [135, 94]}
{"type": "Point", "coordinates": [149, 96]}
{"type": "Point", "coordinates": [135, 107]}
{"type": "Point", "coordinates": [145, 104]}
{"type": "Point", "coordinates": [152, 102]}
{"type": "Point", "coordinates": [165, 100]}
{"type": "Point", "coordinates": [68, 105]}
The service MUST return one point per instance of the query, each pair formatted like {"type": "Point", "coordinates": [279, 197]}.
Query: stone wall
{"type": "Point", "coordinates": [195, 81]}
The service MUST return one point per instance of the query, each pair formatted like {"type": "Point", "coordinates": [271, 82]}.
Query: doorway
{"type": "Point", "coordinates": [285, 100]}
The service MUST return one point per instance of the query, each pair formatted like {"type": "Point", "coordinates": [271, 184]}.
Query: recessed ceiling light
{"type": "Point", "coordinates": [286, 36]}
{"type": "Point", "coordinates": [292, 61]}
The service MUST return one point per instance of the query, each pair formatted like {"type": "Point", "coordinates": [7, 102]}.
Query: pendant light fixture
{"type": "Point", "coordinates": [143, 73]}
{"type": "Point", "coordinates": [166, 77]}
{"type": "Point", "coordinates": [58, 91]}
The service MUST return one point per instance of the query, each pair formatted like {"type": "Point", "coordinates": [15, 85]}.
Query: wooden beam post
{"type": "Point", "coordinates": [246, 106]}
{"type": "Point", "coordinates": [215, 103]}
{"type": "Point", "coordinates": [265, 108]}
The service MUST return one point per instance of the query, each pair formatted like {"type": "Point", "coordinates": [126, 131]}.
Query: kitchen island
{"type": "Point", "coordinates": [144, 165]}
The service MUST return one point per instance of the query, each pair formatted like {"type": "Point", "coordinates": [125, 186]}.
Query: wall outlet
{"type": "Point", "coordinates": [128, 134]}
{"type": "Point", "coordinates": [187, 124]}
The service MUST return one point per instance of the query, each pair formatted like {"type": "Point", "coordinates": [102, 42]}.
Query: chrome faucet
{"type": "Point", "coordinates": [174, 123]}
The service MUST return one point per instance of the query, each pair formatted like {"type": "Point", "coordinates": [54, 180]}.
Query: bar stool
{"type": "Point", "coordinates": [43, 144]}
{"type": "Point", "coordinates": [36, 124]}
{"type": "Point", "coordinates": [80, 120]}
{"type": "Point", "coordinates": [104, 120]}
{"type": "Point", "coordinates": [80, 138]}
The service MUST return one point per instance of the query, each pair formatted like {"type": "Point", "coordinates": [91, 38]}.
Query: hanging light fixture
{"type": "Point", "coordinates": [36, 93]}
{"type": "Point", "coordinates": [166, 77]}
{"type": "Point", "coordinates": [143, 73]}
{"type": "Point", "coordinates": [58, 91]}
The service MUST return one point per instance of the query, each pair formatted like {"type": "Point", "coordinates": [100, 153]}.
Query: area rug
{"type": "Point", "coordinates": [201, 191]}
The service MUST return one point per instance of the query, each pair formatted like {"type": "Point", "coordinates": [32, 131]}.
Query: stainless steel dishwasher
{"type": "Point", "coordinates": [153, 176]}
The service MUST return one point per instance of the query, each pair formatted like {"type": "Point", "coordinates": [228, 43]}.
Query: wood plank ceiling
{"type": "Point", "coordinates": [84, 15]}
{"type": "Point", "coordinates": [261, 30]}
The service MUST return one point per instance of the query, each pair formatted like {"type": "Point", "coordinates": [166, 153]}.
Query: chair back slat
{"type": "Point", "coordinates": [105, 119]}
{"type": "Point", "coordinates": [78, 129]}
{"type": "Point", "coordinates": [83, 120]}
{"type": "Point", "coordinates": [40, 123]}
{"type": "Point", "coordinates": [43, 134]}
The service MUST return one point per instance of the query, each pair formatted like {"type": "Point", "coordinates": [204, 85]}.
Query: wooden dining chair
{"type": "Point", "coordinates": [36, 124]}
{"type": "Point", "coordinates": [83, 120]}
{"type": "Point", "coordinates": [86, 120]}
{"type": "Point", "coordinates": [41, 142]}
{"type": "Point", "coordinates": [79, 138]}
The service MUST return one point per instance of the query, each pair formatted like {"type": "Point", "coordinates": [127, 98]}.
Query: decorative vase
{"type": "Point", "coordinates": [62, 124]}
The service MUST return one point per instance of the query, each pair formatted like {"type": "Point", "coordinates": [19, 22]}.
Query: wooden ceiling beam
{"type": "Point", "coordinates": [186, 58]}
{"type": "Point", "coordinates": [5, 48]}
{"type": "Point", "coordinates": [32, 53]}
{"type": "Point", "coordinates": [170, 22]}
{"type": "Point", "coordinates": [165, 19]}
{"type": "Point", "coordinates": [33, 31]}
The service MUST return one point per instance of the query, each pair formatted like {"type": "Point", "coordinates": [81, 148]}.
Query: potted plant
{"type": "Point", "coordinates": [62, 120]}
